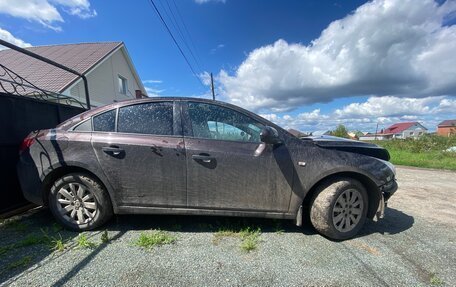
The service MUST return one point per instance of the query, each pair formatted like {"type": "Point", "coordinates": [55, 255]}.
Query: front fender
{"type": "Point", "coordinates": [313, 164]}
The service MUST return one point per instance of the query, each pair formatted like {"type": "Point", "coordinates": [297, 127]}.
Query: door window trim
{"type": "Point", "coordinates": [188, 128]}
{"type": "Point", "coordinates": [178, 126]}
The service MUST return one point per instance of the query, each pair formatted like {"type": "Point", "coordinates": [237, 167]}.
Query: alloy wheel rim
{"type": "Point", "coordinates": [348, 210]}
{"type": "Point", "coordinates": [76, 203]}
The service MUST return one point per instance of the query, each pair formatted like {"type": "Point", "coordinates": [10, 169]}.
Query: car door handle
{"type": "Point", "coordinates": [114, 150]}
{"type": "Point", "coordinates": [203, 158]}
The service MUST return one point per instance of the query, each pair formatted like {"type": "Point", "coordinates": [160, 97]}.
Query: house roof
{"type": "Point", "coordinates": [447, 123]}
{"type": "Point", "coordinates": [80, 57]}
{"type": "Point", "coordinates": [321, 133]}
{"type": "Point", "coordinates": [295, 132]}
{"type": "Point", "coordinates": [399, 127]}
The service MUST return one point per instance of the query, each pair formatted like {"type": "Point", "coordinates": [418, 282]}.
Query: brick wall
{"type": "Point", "coordinates": [446, 131]}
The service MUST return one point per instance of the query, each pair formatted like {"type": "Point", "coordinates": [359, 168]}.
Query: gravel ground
{"type": "Point", "coordinates": [413, 246]}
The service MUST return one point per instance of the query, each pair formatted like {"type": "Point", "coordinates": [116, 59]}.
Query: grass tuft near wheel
{"type": "Point", "coordinates": [80, 202]}
{"type": "Point", "coordinates": [339, 208]}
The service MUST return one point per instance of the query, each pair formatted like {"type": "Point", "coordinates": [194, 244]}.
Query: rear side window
{"type": "Point", "coordinates": [85, 126]}
{"type": "Point", "coordinates": [105, 122]}
{"type": "Point", "coordinates": [149, 118]}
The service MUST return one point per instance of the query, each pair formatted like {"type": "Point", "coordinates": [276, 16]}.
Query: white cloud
{"type": "Point", "coordinates": [208, 1]}
{"type": "Point", "coordinates": [385, 47]}
{"type": "Point", "coordinates": [365, 115]}
{"type": "Point", "coordinates": [45, 12]}
{"type": "Point", "coordinates": [151, 89]}
{"type": "Point", "coordinates": [80, 8]}
{"type": "Point", "coordinates": [219, 46]}
{"type": "Point", "coordinates": [153, 92]}
{"type": "Point", "coordinates": [152, 81]}
{"type": "Point", "coordinates": [391, 106]}
{"type": "Point", "coordinates": [205, 78]}
{"type": "Point", "coordinates": [7, 36]}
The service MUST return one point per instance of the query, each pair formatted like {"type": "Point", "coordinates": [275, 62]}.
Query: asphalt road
{"type": "Point", "coordinates": [413, 246]}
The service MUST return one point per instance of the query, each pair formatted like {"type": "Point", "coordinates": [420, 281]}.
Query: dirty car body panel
{"type": "Point", "coordinates": [182, 156]}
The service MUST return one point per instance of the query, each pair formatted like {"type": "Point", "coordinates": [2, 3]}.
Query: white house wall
{"type": "Point", "coordinates": [103, 81]}
{"type": "Point", "coordinates": [415, 129]}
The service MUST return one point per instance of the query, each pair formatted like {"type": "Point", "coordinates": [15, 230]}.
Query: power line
{"type": "Point", "coordinates": [175, 42]}
{"type": "Point", "coordinates": [181, 34]}
{"type": "Point", "coordinates": [187, 32]}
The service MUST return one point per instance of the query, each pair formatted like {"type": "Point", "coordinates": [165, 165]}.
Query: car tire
{"type": "Point", "coordinates": [338, 210]}
{"type": "Point", "coordinates": [80, 202]}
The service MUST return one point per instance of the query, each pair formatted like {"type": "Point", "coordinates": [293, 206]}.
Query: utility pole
{"type": "Point", "coordinates": [212, 88]}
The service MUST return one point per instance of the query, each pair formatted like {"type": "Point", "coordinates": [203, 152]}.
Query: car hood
{"type": "Point", "coordinates": [342, 144]}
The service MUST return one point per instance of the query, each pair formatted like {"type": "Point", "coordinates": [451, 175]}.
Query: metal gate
{"type": "Point", "coordinates": [18, 117]}
{"type": "Point", "coordinates": [25, 107]}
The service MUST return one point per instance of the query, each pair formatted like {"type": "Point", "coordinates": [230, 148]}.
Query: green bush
{"type": "Point", "coordinates": [426, 151]}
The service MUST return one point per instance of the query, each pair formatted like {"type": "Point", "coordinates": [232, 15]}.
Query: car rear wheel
{"type": "Point", "coordinates": [79, 202]}
{"type": "Point", "coordinates": [339, 208]}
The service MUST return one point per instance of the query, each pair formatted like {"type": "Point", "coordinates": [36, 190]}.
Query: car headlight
{"type": "Point", "coordinates": [390, 166]}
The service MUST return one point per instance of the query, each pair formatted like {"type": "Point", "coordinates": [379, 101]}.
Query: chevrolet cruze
{"type": "Point", "coordinates": [200, 157]}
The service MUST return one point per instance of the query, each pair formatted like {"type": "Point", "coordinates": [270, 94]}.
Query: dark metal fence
{"type": "Point", "coordinates": [19, 116]}
{"type": "Point", "coordinates": [25, 107]}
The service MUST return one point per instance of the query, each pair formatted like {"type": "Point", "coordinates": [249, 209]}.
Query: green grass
{"type": "Point", "coordinates": [30, 240]}
{"type": "Point", "coordinates": [24, 261]}
{"type": "Point", "coordinates": [427, 151]}
{"type": "Point", "coordinates": [149, 240]}
{"type": "Point", "coordinates": [434, 280]}
{"type": "Point", "coordinates": [249, 237]}
{"type": "Point", "coordinates": [57, 245]}
{"type": "Point", "coordinates": [105, 237]}
{"type": "Point", "coordinates": [16, 225]}
{"type": "Point", "coordinates": [83, 241]}
{"type": "Point", "coordinates": [6, 249]}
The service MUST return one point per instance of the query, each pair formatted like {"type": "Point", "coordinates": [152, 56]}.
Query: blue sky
{"type": "Point", "coordinates": [309, 65]}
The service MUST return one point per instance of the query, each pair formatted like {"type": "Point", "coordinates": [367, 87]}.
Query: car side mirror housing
{"type": "Point", "coordinates": [270, 135]}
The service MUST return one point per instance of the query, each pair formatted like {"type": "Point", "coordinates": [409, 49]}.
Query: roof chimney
{"type": "Point", "coordinates": [139, 94]}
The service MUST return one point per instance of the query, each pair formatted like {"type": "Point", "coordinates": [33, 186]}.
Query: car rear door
{"type": "Point", "coordinates": [140, 148]}
{"type": "Point", "coordinates": [227, 165]}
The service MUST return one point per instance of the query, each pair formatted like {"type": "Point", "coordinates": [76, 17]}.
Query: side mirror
{"type": "Point", "coordinates": [270, 135]}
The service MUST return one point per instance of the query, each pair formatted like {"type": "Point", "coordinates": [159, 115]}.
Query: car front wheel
{"type": "Point", "coordinates": [79, 202]}
{"type": "Point", "coordinates": [339, 208]}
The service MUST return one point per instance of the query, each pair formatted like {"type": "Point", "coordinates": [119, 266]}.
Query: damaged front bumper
{"type": "Point", "coordinates": [387, 190]}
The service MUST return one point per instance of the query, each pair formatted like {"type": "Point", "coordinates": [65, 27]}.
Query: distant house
{"type": "Point", "coordinates": [297, 133]}
{"type": "Point", "coordinates": [355, 134]}
{"type": "Point", "coordinates": [447, 128]}
{"type": "Point", "coordinates": [373, 136]}
{"type": "Point", "coordinates": [321, 133]}
{"type": "Point", "coordinates": [398, 131]}
{"type": "Point", "coordinates": [109, 70]}
{"type": "Point", "coordinates": [405, 130]}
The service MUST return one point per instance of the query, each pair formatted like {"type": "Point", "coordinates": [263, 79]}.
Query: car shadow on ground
{"type": "Point", "coordinates": [395, 221]}
{"type": "Point", "coordinates": [30, 239]}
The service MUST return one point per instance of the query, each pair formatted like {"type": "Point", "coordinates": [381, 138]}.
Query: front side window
{"type": "Point", "coordinates": [105, 122]}
{"type": "Point", "coordinates": [216, 122]}
{"type": "Point", "coordinates": [123, 85]}
{"type": "Point", "coordinates": [149, 118]}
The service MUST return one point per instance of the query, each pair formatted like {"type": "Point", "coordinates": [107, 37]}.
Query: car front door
{"type": "Point", "coordinates": [142, 153]}
{"type": "Point", "coordinates": [227, 165]}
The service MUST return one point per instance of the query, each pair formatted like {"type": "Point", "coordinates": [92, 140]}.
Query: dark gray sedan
{"type": "Point", "coordinates": [195, 156]}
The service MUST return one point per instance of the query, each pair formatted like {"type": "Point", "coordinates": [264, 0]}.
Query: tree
{"type": "Point", "coordinates": [340, 131]}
